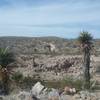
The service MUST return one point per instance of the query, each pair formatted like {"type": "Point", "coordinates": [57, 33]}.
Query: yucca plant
{"type": "Point", "coordinates": [86, 42]}
{"type": "Point", "coordinates": [6, 58]}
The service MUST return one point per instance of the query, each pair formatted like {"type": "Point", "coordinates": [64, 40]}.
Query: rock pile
{"type": "Point", "coordinates": [39, 92]}
{"type": "Point", "coordinates": [59, 63]}
{"type": "Point", "coordinates": [56, 66]}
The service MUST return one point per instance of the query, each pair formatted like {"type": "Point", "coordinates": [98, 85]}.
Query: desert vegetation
{"type": "Point", "coordinates": [68, 66]}
{"type": "Point", "coordinates": [6, 58]}
{"type": "Point", "coordinates": [85, 40]}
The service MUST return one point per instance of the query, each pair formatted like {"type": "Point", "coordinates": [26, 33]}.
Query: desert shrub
{"type": "Point", "coordinates": [19, 81]}
{"type": "Point", "coordinates": [17, 77]}
{"type": "Point", "coordinates": [28, 82]}
{"type": "Point", "coordinates": [65, 82]}
{"type": "Point", "coordinates": [76, 83]}
{"type": "Point", "coordinates": [52, 84]}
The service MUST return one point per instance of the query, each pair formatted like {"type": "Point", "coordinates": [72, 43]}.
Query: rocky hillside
{"type": "Point", "coordinates": [46, 55]}
{"type": "Point", "coordinates": [25, 45]}
{"type": "Point", "coordinates": [50, 59]}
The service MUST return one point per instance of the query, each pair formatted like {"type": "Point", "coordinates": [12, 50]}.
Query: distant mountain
{"type": "Point", "coordinates": [30, 45]}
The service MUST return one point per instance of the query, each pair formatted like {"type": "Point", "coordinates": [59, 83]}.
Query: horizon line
{"type": "Point", "coordinates": [41, 37]}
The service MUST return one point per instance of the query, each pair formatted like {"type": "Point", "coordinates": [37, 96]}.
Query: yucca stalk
{"type": "Point", "coordinates": [85, 39]}
{"type": "Point", "coordinates": [6, 58]}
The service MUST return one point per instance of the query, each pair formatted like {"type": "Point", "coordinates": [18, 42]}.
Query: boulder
{"type": "Point", "coordinates": [37, 89]}
{"type": "Point", "coordinates": [69, 90]}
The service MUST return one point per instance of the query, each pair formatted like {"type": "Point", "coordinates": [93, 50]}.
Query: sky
{"type": "Point", "coordinates": [61, 18]}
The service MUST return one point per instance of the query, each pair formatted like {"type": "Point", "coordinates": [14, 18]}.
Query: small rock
{"type": "Point", "coordinates": [66, 97]}
{"type": "Point", "coordinates": [53, 95]}
{"type": "Point", "coordinates": [24, 95]}
{"type": "Point", "coordinates": [76, 97]}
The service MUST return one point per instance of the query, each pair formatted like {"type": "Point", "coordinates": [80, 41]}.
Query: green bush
{"type": "Point", "coordinates": [22, 82]}
{"type": "Point", "coordinates": [28, 82]}
{"type": "Point", "coordinates": [17, 77]}
{"type": "Point", "coordinates": [68, 81]}
{"type": "Point", "coordinates": [75, 83]}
